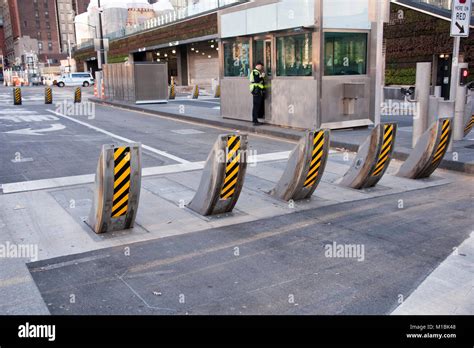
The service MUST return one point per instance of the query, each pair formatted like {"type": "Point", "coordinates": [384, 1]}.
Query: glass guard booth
{"type": "Point", "coordinates": [284, 35]}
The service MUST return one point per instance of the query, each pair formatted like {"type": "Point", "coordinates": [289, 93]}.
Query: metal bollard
{"type": "Point", "coordinates": [422, 93]}
{"type": "Point", "coordinates": [17, 100]}
{"type": "Point", "coordinates": [48, 95]}
{"type": "Point", "coordinates": [77, 95]}
{"type": "Point", "coordinates": [446, 110]}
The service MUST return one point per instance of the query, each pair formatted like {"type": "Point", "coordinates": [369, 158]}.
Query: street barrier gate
{"type": "Point", "coordinates": [373, 158]}
{"type": "Point", "coordinates": [223, 176]}
{"type": "Point", "coordinates": [429, 151]}
{"type": "Point", "coordinates": [117, 188]}
{"type": "Point", "coordinates": [305, 167]}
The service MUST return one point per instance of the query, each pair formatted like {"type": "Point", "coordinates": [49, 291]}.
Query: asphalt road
{"type": "Point", "coordinates": [48, 141]}
{"type": "Point", "coordinates": [273, 266]}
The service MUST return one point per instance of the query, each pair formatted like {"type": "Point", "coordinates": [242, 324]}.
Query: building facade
{"type": "Point", "coordinates": [41, 27]}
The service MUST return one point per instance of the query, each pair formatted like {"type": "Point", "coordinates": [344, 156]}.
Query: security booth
{"type": "Point", "coordinates": [301, 63]}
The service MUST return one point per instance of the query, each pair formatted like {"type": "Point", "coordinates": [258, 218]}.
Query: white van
{"type": "Point", "coordinates": [75, 79]}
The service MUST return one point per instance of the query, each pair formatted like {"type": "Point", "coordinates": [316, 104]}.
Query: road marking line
{"type": "Point", "coordinates": [146, 147]}
{"type": "Point", "coordinates": [53, 183]}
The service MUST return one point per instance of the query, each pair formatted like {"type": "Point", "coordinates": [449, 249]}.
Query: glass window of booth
{"type": "Point", "coordinates": [294, 55]}
{"type": "Point", "coordinates": [345, 54]}
{"type": "Point", "coordinates": [236, 57]}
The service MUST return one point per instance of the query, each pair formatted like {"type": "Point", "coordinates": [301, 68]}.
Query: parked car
{"type": "Point", "coordinates": [75, 79]}
{"type": "Point", "coordinates": [35, 80]}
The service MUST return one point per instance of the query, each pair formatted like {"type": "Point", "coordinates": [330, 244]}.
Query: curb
{"type": "Point", "coordinates": [279, 132]}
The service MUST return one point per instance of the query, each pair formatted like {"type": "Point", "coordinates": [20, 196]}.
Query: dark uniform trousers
{"type": "Point", "coordinates": [258, 106]}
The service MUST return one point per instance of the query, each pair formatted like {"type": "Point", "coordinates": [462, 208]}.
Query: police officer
{"type": "Point", "coordinates": [257, 88]}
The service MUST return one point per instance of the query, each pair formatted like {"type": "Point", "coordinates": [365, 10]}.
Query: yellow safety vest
{"type": "Point", "coordinates": [252, 81]}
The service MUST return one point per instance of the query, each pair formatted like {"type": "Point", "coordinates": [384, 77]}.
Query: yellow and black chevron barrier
{"type": "Point", "coordinates": [196, 92]}
{"type": "Point", "coordinates": [117, 192]}
{"type": "Point", "coordinates": [232, 167]}
{"type": "Point", "coordinates": [17, 99]}
{"type": "Point", "coordinates": [469, 126]}
{"type": "Point", "coordinates": [429, 151]}
{"type": "Point", "coordinates": [443, 143]}
{"type": "Point", "coordinates": [372, 159]}
{"type": "Point", "coordinates": [387, 148]}
{"type": "Point", "coordinates": [217, 92]}
{"type": "Point", "coordinates": [121, 181]}
{"type": "Point", "coordinates": [78, 95]}
{"type": "Point", "coordinates": [305, 167]}
{"type": "Point", "coordinates": [223, 177]}
{"type": "Point", "coordinates": [48, 95]}
{"type": "Point", "coordinates": [172, 91]}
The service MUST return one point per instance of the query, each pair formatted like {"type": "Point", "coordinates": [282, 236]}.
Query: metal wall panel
{"type": "Point", "coordinates": [151, 82]}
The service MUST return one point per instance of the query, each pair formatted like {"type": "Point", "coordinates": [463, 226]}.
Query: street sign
{"type": "Point", "coordinates": [461, 18]}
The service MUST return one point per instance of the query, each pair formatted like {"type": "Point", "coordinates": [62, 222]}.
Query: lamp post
{"type": "Point", "coordinates": [101, 38]}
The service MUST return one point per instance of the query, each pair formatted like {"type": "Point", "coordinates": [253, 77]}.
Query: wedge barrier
{"type": "Point", "coordinates": [196, 92]}
{"type": "Point", "coordinates": [223, 176]}
{"type": "Point", "coordinates": [117, 188]}
{"type": "Point", "coordinates": [217, 92]}
{"type": "Point", "coordinates": [17, 100]}
{"type": "Point", "coordinates": [305, 167]}
{"type": "Point", "coordinates": [48, 95]}
{"type": "Point", "coordinates": [429, 151]}
{"type": "Point", "coordinates": [469, 125]}
{"type": "Point", "coordinates": [372, 159]}
{"type": "Point", "coordinates": [172, 94]}
{"type": "Point", "coordinates": [77, 95]}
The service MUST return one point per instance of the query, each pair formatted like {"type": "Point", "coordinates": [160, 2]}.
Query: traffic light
{"type": "Point", "coordinates": [463, 77]}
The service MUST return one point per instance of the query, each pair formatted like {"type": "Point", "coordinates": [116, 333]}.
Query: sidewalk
{"type": "Point", "coordinates": [347, 139]}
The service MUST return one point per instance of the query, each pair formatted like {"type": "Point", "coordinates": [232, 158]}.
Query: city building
{"type": "Point", "coordinates": [41, 27]}
{"type": "Point", "coordinates": [31, 28]}
{"type": "Point", "coordinates": [80, 6]}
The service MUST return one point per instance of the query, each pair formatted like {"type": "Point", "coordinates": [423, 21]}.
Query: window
{"type": "Point", "coordinates": [294, 55]}
{"type": "Point", "coordinates": [50, 46]}
{"type": "Point", "coordinates": [236, 58]}
{"type": "Point", "coordinates": [345, 54]}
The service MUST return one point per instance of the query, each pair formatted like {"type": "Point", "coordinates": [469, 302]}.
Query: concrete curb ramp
{"type": "Point", "coordinates": [373, 158]}
{"type": "Point", "coordinates": [223, 176]}
{"type": "Point", "coordinates": [117, 191]}
{"type": "Point", "coordinates": [305, 167]}
{"type": "Point", "coordinates": [428, 152]}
